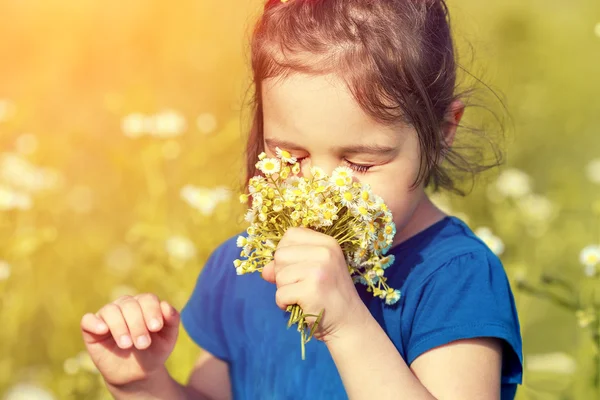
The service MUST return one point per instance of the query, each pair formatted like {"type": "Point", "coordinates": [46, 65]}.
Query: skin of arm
{"type": "Point", "coordinates": [371, 367]}
{"type": "Point", "coordinates": [209, 380]}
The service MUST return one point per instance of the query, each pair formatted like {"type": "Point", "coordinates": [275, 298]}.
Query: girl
{"type": "Point", "coordinates": [369, 85]}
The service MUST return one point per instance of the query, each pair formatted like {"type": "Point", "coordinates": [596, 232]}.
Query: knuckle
{"type": "Point", "coordinates": [325, 253]}
{"type": "Point", "coordinates": [278, 255]}
{"type": "Point", "coordinates": [279, 298]}
{"type": "Point", "coordinates": [319, 276]}
{"type": "Point", "coordinates": [109, 309]}
{"type": "Point", "coordinates": [122, 299]}
{"type": "Point", "coordinates": [129, 304]}
{"type": "Point", "coordinates": [148, 297]}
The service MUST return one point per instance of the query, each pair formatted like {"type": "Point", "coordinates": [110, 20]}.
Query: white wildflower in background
{"type": "Point", "coordinates": [558, 363]}
{"type": "Point", "coordinates": [7, 109]}
{"type": "Point", "coordinates": [71, 366]}
{"type": "Point", "coordinates": [19, 173]}
{"type": "Point", "coordinates": [494, 243]}
{"type": "Point", "coordinates": [181, 248]}
{"type": "Point", "coordinates": [134, 125]}
{"type": "Point", "coordinates": [27, 391]}
{"type": "Point", "coordinates": [593, 171]}
{"type": "Point", "coordinates": [26, 144]}
{"type": "Point", "coordinates": [590, 258]}
{"type": "Point", "coordinates": [4, 270]}
{"type": "Point", "coordinates": [585, 317]}
{"type": "Point", "coordinates": [168, 124]}
{"type": "Point", "coordinates": [204, 199]}
{"type": "Point", "coordinates": [537, 208]}
{"type": "Point", "coordinates": [206, 123]}
{"type": "Point", "coordinates": [165, 124]}
{"type": "Point", "coordinates": [513, 183]}
{"type": "Point", "coordinates": [13, 200]}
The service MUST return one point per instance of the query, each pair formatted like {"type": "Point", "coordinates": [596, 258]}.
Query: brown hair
{"type": "Point", "coordinates": [397, 58]}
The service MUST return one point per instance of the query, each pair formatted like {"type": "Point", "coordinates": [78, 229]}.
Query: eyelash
{"type": "Point", "coordinates": [361, 169]}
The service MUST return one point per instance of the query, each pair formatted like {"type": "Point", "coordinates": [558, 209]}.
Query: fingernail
{"type": "Point", "coordinates": [154, 324]}
{"type": "Point", "coordinates": [101, 326]}
{"type": "Point", "coordinates": [125, 341]}
{"type": "Point", "coordinates": [143, 341]}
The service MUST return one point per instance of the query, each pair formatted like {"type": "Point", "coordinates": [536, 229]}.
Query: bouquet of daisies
{"type": "Point", "coordinates": [335, 205]}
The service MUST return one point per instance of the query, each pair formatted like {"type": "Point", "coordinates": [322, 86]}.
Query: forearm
{"type": "Point", "coordinates": [371, 367]}
{"type": "Point", "coordinates": [160, 386]}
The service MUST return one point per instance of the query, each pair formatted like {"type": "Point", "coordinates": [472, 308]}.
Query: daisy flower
{"type": "Point", "coordinates": [285, 156]}
{"type": "Point", "coordinates": [269, 166]}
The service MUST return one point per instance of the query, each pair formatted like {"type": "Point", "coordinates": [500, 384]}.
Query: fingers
{"type": "Point", "coordinates": [171, 321]}
{"type": "Point", "coordinates": [290, 294]}
{"type": "Point", "coordinates": [131, 320]}
{"type": "Point", "coordinates": [306, 236]}
{"type": "Point", "coordinates": [134, 318]}
{"type": "Point", "coordinates": [268, 272]}
{"type": "Point", "coordinates": [150, 305]}
{"type": "Point", "coordinates": [112, 316]}
{"type": "Point", "coordinates": [93, 328]}
{"type": "Point", "coordinates": [292, 274]}
{"type": "Point", "coordinates": [300, 253]}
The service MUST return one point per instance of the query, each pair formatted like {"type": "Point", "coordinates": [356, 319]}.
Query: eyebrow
{"type": "Point", "coordinates": [374, 149]}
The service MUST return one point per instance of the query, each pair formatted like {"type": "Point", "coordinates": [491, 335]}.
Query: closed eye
{"type": "Point", "coordinates": [361, 169]}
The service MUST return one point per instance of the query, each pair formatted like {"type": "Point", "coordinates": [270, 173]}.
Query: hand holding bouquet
{"type": "Point", "coordinates": [336, 206]}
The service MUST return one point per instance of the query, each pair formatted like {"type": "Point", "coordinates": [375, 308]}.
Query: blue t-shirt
{"type": "Point", "coordinates": [453, 287]}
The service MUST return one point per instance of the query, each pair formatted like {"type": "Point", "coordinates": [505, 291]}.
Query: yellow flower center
{"type": "Point", "coordinates": [285, 154]}
{"type": "Point", "coordinates": [592, 259]}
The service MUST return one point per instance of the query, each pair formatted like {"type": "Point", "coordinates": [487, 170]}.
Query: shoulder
{"type": "Point", "coordinates": [455, 253]}
{"type": "Point", "coordinates": [219, 264]}
{"type": "Point", "coordinates": [460, 291]}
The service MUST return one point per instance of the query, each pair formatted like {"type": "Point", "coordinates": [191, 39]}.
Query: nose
{"type": "Point", "coordinates": [326, 164]}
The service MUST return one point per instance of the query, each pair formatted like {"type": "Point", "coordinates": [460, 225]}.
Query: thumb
{"type": "Point", "coordinates": [268, 272]}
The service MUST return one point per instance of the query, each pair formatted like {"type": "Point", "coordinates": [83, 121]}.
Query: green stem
{"type": "Point", "coordinates": [554, 280]}
{"type": "Point", "coordinates": [544, 294]}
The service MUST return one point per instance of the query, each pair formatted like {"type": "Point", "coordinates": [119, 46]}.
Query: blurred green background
{"type": "Point", "coordinates": [121, 141]}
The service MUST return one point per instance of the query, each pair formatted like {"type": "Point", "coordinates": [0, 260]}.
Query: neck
{"type": "Point", "coordinates": [424, 215]}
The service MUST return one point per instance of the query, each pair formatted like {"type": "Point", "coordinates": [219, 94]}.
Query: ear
{"type": "Point", "coordinates": [451, 121]}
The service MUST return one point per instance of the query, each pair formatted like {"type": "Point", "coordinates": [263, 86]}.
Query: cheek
{"type": "Point", "coordinates": [400, 199]}
{"type": "Point", "coordinates": [395, 188]}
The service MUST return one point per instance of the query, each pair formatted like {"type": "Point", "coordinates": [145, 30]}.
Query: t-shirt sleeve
{"type": "Point", "coordinates": [465, 298]}
{"type": "Point", "coordinates": [204, 313]}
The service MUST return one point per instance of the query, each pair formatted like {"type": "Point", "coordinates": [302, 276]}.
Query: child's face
{"type": "Point", "coordinates": [316, 118]}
